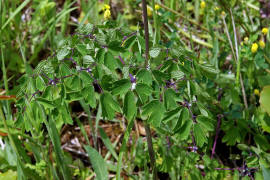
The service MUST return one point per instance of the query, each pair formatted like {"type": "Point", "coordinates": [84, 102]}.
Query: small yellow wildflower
{"type": "Point", "coordinates": [159, 160]}
{"type": "Point", "coordinates": [242, 44]}
{"type": "Point", "coordinates": [246, 40]}
{"type": "Point", "coordinates": [254, 47]}
{"type": "Point", "coordinates": [223, 13]}
{"type": "Point", "coordinates": [265, 31]}
{"type": "Point", "coordinates": [262, 44]}
{"type": "Point", "coordinates": [257, 92]}
{"type": "Point", "coordinates": [203, 4]}
{"type": "Point", "coordinates": [157, 7]}
{"type": "Point", "coordinates": [107, 14]}
{"type": "Point", "coordinates": [149, 11]}
{"type": "Point", "coordinates": [106, 7]}
{"type": "Point", "coordinates": [216, 8]}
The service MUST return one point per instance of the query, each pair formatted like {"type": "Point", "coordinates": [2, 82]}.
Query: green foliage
{"type": "Point", "coordinates": [193, 98]}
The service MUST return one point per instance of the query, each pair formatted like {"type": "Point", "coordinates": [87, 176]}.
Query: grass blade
{"type": "Point", "coordinates": [98, 163]}
{"type": "Point", "coordinates": [15, 13]}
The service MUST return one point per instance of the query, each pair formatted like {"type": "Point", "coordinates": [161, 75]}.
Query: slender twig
{"type": "Point", "coordinates": [189, 20]}
{"type": "Point", "coordinates": [147, 128]}
{"type": "Point", "coordinates": [238, 62]}
{"type": "Point", "coordinates": [216, 137]}
{"type": "Point", "coordinates": [235, 58]}
{"type": "Point", "coordinates": [146, 32]}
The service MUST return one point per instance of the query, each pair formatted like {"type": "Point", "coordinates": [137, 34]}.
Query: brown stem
{"type": "Point", "coordinates": [147, 128]}
{"type": "Point", "coordinates": [146, 32]}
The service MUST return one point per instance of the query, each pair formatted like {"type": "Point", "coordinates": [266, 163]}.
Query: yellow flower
{"type": "Point", "coordinates": [157, 7]}
{"type": "Point", "coordinates": [203, 4]}
{"type": "Point", "coordinates": [257, 92]}
{"type": "Point", "coordinates": [106, 7]}
{"type": "Point", "coordinates": [159, 160]}
{"type": "Point", "coordinates": [107, 14]}
{"type": "Point", "coordinates": [155, 147]}
{"type": "Point", "coordinates": [265, 31]}
{"type": "Point", "coordinates": [216, 8]}
{"type": "Point", "coordinates": [254, 47]}
{"type": "Point", "coordinates": [246, 40]}
{"type": "Point", "coordinates": [223, 13]}
{"type": "Point", "coordinates": [149, 11]}
{"type": "Point", "coordinates": [262, 44]}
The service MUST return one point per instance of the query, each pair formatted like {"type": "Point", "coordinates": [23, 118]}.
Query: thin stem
{"type": "Point", "coordinates": [146, 32]}
{"type": "Point", "coordinates": [236, 60]}
{"type": "Point", "coordinates": [216, 137]}
{"type": "Point", "coordinates": [150, 149]}
{"type": "Point", "coordinates": [157, 30]}
{"type": "Point", "coordinates": [147, 128]}
{"type": "Point", "coordinates": [189, 20]}
{"type": "Point", "coordinates": [9, 134]}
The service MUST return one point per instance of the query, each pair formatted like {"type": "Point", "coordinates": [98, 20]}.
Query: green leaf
{"type": "Point", "coordinates": [40, 84]}
{"type": "Point", "coordinates": [265, 99]}
{"type": "Point", "coordinates": [160, 76]}
{"type": "Point", "coordinates": [184, 131]}
{"type": "Point", "coordinates": [143, 91]}
{"type": "Point", "coordinates": [82, 49]}
{"type": "Point", "coordinates": [107, 142]}
{"type": "Point", "coordinates": [110, 62]}
{"type": "Point", "coordinates": [74, 96]}
{"type": "Point", "coordinates": [98, 163]}
{"type": "Point", "coordinates": [10, 175]}
{"type": "Point", "coordinates": [154, 52]}
{"type": "Point", "coordinates": [262, 142]}
{"type": "Point", "coordinates": [46, 103]}
{"type": "Point", "coordinates": [55, 139]}
{"type": "Point", "coordinates": [87, 60]}
{"type": "Point", "coordinates": [130, 108]}
{"type": "Point", "coordinates": [64, 69]}
{"type": "Point", "coordinates": [208, 70]}
{"type": "Point", "coordinates": [170, 99]}
{"type": "Point", "coordinates": [121, 87]}
{"type": "Point", "coordinates": [199, 135]}
{"type": "Point", "coordinates": [144, 76]}
{"type": "Point", "coordinates": [232, 136]}
{"type": "Point", "coordinates": [109, 105]}
{"type": "Point", "coordinates": [66, 116]}
{"type": "Point", "coordinates": [177, 75]}
{"type": "Point", "coordinates": [154, 110]}
{"type": "Point", "coordinates": [62, 53]}
{"type": "Point", "coordinates": [171, 115]}
{"type": "Point", "coordinates": [89, 95]}
{"type": "Point", "coordinates": [181, 122]}
{"type": "Point", "coordinates": [266, 173]}
{"type": "Point", "coordinates": [86, 78]}
{"type": "Point", "coordinates": [205, 122]}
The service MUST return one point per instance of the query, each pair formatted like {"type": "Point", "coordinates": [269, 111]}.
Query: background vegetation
{"type": "Point", "coordinates": [84, 94]}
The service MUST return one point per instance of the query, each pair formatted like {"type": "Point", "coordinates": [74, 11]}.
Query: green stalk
{"type": "Point", "coordinates": [65, 20]}
{"type": "Point", "coordinates": [189, 20]}
{"type": "Point", "coordinates": [9, 135]}
{"type": "Point", "coordinates": [4, 67]}
{"type": "Point", "coordinates": [157, 30]}
{"type": "Point", "coordinates": [147, 128]}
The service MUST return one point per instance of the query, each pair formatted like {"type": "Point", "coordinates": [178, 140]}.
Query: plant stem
{"type": "Point", "coordinates": [236, 60]}
{"type": "Point", "coordinates": [157, 30]}
{"type": "Point", "coordinates": [189, 20]}
{"type": "Point", "coordinates": [146, 32]}
{"type": "Point", "coordinates": [147, 128]}
{"type": "Point", "coordinates": [9, 134]}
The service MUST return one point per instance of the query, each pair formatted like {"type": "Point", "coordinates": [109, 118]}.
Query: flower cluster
{"type": "Point", "coordinates": [107, 12]}
{"type": "Point", "coordinates": [203, 4]}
